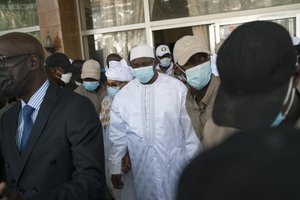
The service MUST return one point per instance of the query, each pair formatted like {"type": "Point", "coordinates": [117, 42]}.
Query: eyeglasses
{"type": "Point", "coordinates": [4, 59]}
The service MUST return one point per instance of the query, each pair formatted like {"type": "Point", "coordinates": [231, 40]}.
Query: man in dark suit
{"type": "Point", "coordinates": [56, 152]}
{"type": "Point", "coordinates": [252, 164]}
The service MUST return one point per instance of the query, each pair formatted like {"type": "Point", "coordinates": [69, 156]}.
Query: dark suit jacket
{"type": "Point", "coordinates": [63, 157]}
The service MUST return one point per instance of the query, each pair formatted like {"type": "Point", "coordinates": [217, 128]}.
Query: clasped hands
{"type": "Point", "coordinates": [116, 178]}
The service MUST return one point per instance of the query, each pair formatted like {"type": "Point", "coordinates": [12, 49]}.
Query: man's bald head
{"type": "Point", "coordinates": [20, 43]}
{"type": "Point", "coordinates": [23, 72]}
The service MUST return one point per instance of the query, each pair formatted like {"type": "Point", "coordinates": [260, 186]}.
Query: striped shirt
{"type": "Point", "coordinates": [35, 101]}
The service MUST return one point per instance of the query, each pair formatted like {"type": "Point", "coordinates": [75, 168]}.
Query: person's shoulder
{"type": "Point", "coordinates": [215, 80]}
{"type": "Point", "coordinates": [79, 89]}
{"type": "Point", "coordinates": [214, 85]}
{"type": "Point", "coordinates": [8, 112]}
{"type": "Point", "coordinates": [173, 82]}
{"type": "Point", "coordinates": [131, 85]}
{"type": "Point", "coordinates": [70, 97]}
{"type": "Point", "coordinates": [167, 77]}
{"type": "Point", "coordinates": [128, 91]}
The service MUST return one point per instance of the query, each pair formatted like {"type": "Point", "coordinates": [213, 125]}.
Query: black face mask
{"type": "Point", "coordinates": [10, 88]}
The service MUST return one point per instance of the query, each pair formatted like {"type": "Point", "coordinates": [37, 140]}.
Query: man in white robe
{"type": "Point", "coordinates": [118, 75]}
{"type": "Point", "coordinates": [153, 124]}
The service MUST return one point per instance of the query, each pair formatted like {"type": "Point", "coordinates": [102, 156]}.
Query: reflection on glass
{"type": "Point", "coordinates": [167, 9]}
{"type": "Point", "coordinates": [18, 14]}
{"type": "Point", "coordinates": [99, 46]}
{"type": "Point", "coordinates": [36, 34]}
{"type": "Point", "coordinates": [108, 13]}
{"type": "Point", "coordinates": [226, 30]}
{"type": "Point", "coordinates": [288, 23]}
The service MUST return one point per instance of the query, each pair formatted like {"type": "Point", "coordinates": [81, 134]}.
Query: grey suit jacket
{"type": "Point", "coordinates": [63, 157]}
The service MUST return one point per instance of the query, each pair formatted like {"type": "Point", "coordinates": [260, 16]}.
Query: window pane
{"type": "Point", "coordinates": [225, 30]}
{"type": "Point", "coordinates": [288, 23]}
{"type": "Point", "coordinates": [99, 46]}
{"type": "Point", "coordinates": [167, 9]}
{"type": "Point", "coordinates": [18, 14]}
{"type": "Point", "coordinates": [37, 35]}
{"type": "Point", "coordinates": [108, 13]}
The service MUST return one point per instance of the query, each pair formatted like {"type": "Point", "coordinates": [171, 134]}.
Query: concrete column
{"type": "Point", "coordinates": [59, 18]}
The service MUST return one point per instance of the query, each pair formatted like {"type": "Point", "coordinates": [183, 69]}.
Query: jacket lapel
{"type": "Point", "coordinates": [14, 121]}
{"type": "Point", "coordinates": [13, 154]}
{"type": "Point", "coordinates": [45, 110]}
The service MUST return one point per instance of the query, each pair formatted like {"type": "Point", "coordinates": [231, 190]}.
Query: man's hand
{"type": "Point", "coordinates": [116, 181]}
{"type": "Point", "coordinates": [126, 163]}
{"type": "Point", "coordinates": [8, 194]}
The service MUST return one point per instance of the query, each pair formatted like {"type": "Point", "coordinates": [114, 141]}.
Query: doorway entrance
{"type": "Point", "coordinates": [170, 36]}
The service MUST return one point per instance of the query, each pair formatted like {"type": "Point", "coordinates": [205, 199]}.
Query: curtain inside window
{"type": "Point", "coordinates": [109, 13]}
{"type": "Point", "coordinates": [18, 14]}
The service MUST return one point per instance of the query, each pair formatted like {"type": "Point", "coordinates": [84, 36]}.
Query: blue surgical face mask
{"type": "Point", "coordinates": [112, 91]}
{"type": "Point", "coordinates": [144, 74]}
{"type": "Point", "coordinates": [90, 86]}
{"type": "Point", "coordinates": [165, 62]}
{"type": "Point", "coordinates": [199, 76]}
{"type": "Point", "coordinates": [280, 117]}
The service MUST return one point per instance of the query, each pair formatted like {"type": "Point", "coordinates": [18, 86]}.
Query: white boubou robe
{"type": "Point", "coordinates": [127, 192]}
{"type": "Point", "coordinates": [152, 122]}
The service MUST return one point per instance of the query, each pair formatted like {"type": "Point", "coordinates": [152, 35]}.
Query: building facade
{"type": "Point", "coordinates": [95, 28]}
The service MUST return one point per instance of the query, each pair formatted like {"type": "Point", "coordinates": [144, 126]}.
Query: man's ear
{"type": "Point", "coordinates": [155, 61]}
{"type": "Point", "coordinates": [35, 62]}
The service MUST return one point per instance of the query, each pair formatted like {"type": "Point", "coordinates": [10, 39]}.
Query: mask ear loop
{"type": "Point", "coordinates": [288, 92]}
{"type": "Point", "coordinates": [291, 103]}
{"type": "Point", "coordinates": [181, 71]}
{"type": "Point", "coordinates": [287, 97]}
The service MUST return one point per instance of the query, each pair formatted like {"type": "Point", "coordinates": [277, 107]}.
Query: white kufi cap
{"type": "Point", "coordinates": [141, 51]}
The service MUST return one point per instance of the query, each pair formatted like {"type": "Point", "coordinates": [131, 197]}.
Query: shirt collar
{"type": "Point", "coordinates": [37, 98]}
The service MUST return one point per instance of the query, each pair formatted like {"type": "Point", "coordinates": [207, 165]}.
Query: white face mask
{"type": "Point", "coordinates": [66, 77]}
